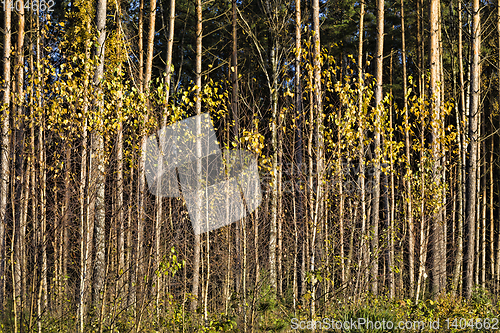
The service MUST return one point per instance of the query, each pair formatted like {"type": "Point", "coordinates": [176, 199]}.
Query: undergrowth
{"type": "Point", "coordinates": [267, 314]}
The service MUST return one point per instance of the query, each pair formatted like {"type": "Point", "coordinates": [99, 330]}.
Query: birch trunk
{"type": "Point", "coordinates": [5, 151]}
{"type": "Point", "coordinates": [98, 171]}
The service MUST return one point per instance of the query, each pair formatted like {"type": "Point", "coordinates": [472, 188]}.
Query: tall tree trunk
{"type": "Point", "coordinates": [85, 234]}
{"type": "Point", "coordinates": [142, 181]}
{"type": "Point", "coordinates": [170, 45]}
{"type": "Point", "coordinates": [140, 32]}
{"type": "Point", "coordinates": [438, 254]}
{"type": "Point", "coordinates": [477, 231]}
{"type": "Point", "coordinates": [273, 90]}
{"type": "Point", "coordinates": [497, 277]}
{"type": "Point", "coordinates": [120, 188]}
{"type": "Point", "coordinates": [363, 255]}
{"type": "Point", "coordinates": [155, 274]}
{"type": "Point", "coordinates": [138, 269]}
{"type": "Point", "coordinates": [319, 116]}
{"type": "Point", "coordinates": [298, 152]}
{"type": "Point", "coordinates": [472, 164]}
{"type": "Point", "coordinates": [279, 262]}
{"type": "Point", "coordinates": [159, 202]}
{"type": "Point", "coordinates": [460, 115]}
{"type": "Point", "coordinates": [98, 171]}
{"type": "Point", "coordinates": [197, 245]}
{"type": "Point", "coordinates": [65, 212]}
{"type": "Point", "coordinates": [492, 209]}
{"type": "Point", "coordinates": [42, 302]}
{"type": "Point", "coordinates": [33, 189]}
{"type": "Point", "coordinates": [483, 217]}
{"type": "Point", "coordinates": [408, 178]}
{"type": "Point", "coordinates": [390, 212]}
{"type": "Point", "coordinates": [5, 151]}
{"type": "Point", "coordinates": [18, 156]}
{"type": "Point", "coordinates": [378, 144]}
{"type": "Point", "coordinates": [420, 47]}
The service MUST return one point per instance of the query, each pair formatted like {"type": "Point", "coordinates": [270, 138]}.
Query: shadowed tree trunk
{"type": "Point", "coordinates": [378, 144]}
{"type": "Point", "coordinates": [408, 177]}
{"type": "Point", "coordinates": [298, 198]}
{"type": "Point", "coordinates": [438, 225]}
{"type": "Point", "coordinates": [472, 164]}
{"type": "Point", "coordinates": [197, 243]}
{"type": "Point", "coordinates": [460, 117]}
{"type": "Point", "coordinates": [20, 176]}
{"type": "Point", "coordinates": [319, 117]}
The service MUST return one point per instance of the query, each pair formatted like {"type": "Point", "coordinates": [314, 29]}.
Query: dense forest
{"type": "Point", "coordinates": [373, 126]}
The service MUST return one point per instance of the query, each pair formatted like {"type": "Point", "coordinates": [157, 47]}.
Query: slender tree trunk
{"type": "Point", "coordinates": [460, 114]}
{"type": "Point", "coordinates": [85, 233]}
{"type": "Point", "coordinates": [378, 144]}
{"type": "Point", "coordinates": [438, 255]}
{"type": "Point", "coordinates": [65, 212]}
{"type": "Point", "coordinates": [273, 90]}
{"type": "Point", "coordinates": [497, 276]}
{"type": "Point", "coordinates": [408, 178]}
{"type": "Point", "coordinates": [390, 213]}
{"type": "Point", "coordinates": [159, 202]}
{"type": "Point", "coordinates": [472, 164]}
{"type": "Point", "coordinates": [298, 152]}
{"type": "Point", "coordinates": [477, 231]}
{"type": "Point", "coordinates": [363, 256]}
{"type": "Point", "coordinates": [140, 32]}
{"type": "Point", "coordinates": [98, 172]}
{"type": "Point", "coordinates": [5, 151]}
{"type": "Point", "coordinates": [131, 257]}
{"type": "Point", "coordinates": [138, 269]}
{"type": "Point", "coordinates": [120, 188]}
{"type": "Point", "coordinates": [168, 63]}
{"type": "Point", "coordinates": [18, 157]}
{"type": "Point", "coordinates": [280, 215]}
{"type": "Point", "coordinates": [256, 228]}
{"type": "Point", "coordinates": [492, 208]}
{"type": "Point", "coordinates": [310, 187]}
{"type": "Point", "coordinates": [156, 280]}
{"type": "Point", "coordinates": [33, 189]}
{"type": "Point", "coordinates": [319, 116]}
{"type": "Point", "coordinates": [197, 245]}
{"type": "Point", "coordinates": [142, 269]}
{"type": "Point", "coordinates": [422, 253]}
{"type": "Point", "coordinates": [420, 47]}
{"type": "Point", "coordinates": [483, 218]}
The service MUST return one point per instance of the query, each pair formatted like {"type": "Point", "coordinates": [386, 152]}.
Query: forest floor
{"type": "Point", "coordinates": [367, 314]}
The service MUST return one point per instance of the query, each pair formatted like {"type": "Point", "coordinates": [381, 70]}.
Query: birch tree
{"type": "Point", "coordinates": [5, 151]}
{"type": "Point", "coordinates": [98, 172]}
